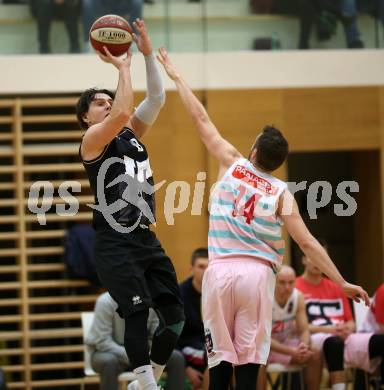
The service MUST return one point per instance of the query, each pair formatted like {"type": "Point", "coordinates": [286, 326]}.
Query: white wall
{"type": "Point", "coordinates": [73, 73]}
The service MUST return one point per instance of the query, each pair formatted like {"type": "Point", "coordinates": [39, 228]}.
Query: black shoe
{"type": "Point", "coordinates": [356, 44]}
{"type": "Point", "coordinates": [75, 49]}
{"type": "Point", "coordinates": [303, 45]}
{"type": "Point", "coordinates": [44, 50]}
{"type": "Point", "coordinates": [347, 19]}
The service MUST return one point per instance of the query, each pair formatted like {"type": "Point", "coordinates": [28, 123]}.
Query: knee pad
{"type": "Point", "coordinates": [166, 335]}
{"type": "Point", "coordinates": [172, 318]}
{"type": "Point", "coordinates": [334, 353]}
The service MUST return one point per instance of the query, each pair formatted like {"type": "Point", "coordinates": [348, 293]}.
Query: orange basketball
{"type": "Point", "coordinates": [111, 31]}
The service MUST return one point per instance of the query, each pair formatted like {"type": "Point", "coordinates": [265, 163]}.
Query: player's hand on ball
{"type": "Point", "coordinates": [356, 293]}
{"type": "Point", "coordinates": [163, 58]}
{"type": "Point", "coordinates": [142, 40]}
{"type": "Point", "coordinates": [118, 62]}
{"type": "Point", "coordinates": [112, 31]}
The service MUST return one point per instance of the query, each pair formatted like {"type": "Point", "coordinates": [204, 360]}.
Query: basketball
{"type": "Point", "coordinates": [111, 31]}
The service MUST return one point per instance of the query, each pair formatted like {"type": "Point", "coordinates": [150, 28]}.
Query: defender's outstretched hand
{"type": "Point", "coordinates": [142, 40]}
{"type": "Point", "coordinates": [164, 59]}
{"type": "Point", "coordinates": [355, 292]}
{"type": "Point", "coordinates": [117, 62]}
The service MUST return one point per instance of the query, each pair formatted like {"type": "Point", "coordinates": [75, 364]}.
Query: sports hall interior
{"type": "Point", "coordinates": [328, 101]}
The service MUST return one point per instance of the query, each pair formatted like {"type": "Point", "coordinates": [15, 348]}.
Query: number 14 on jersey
{"type": "Point", "coordinates": [248, 208]}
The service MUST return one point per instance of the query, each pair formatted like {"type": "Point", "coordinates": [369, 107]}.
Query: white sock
{"type": "Point", "coordinates": [144, 375]}
{"type": "Point", "coordinates": [157, 370]}
{"type": "Point", "coordinates": [338, 386]}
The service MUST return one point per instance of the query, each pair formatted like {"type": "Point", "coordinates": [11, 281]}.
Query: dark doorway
{"type": "Point", "coordinates": [354, 239]}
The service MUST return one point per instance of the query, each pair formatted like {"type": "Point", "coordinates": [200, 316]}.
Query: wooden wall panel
{"type": "Point", "coordinates": [240, 115]}
{"type": "Point", "coordinates": [331, 118]}
{"type": "Point", "coordinates": [40, 307]}
{"type": "Point", "coordinates": [368, 225]}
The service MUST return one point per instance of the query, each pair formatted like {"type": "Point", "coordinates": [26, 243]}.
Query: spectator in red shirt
{"type": "Point", "coordinates": [374, 321]}
{"type": "Point", "coordinates": [332, 326]}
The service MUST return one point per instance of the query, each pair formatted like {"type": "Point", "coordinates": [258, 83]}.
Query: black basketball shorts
{"type": "Point", "coordinates": [135, 270]}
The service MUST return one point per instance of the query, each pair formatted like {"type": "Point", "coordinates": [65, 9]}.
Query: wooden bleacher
{"type": "Point", "coordinates": [40, 307]}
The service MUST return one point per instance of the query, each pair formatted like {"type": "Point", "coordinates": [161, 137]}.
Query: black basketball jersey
{"type": "Point", "coordinates": [121, 176]}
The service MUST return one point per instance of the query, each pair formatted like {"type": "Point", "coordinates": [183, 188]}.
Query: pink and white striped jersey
{"type": "Point", "coordinates": [243, 223]}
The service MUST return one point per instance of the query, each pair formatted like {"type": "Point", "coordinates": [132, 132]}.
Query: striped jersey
{"type": "Point", "coordinates": [284, 318]}
{"type": "Point", "coordinates": [243, 223]}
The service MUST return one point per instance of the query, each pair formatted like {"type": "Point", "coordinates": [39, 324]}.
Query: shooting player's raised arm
{"type": "Point", "coordinates": [106, 117]}
{"type": "Point", "coordinates": [148, 110]}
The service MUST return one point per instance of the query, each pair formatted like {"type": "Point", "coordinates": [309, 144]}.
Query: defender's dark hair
{"type": "Point", "coordinates": [84, 102]}
{"type": "Point", "coordinates": [272, 149]}
{"type": "Point", "coordinates": [199, 252]}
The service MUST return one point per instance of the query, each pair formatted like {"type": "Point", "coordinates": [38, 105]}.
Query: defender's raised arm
{"type": "Point", "coordinates": [217, 146]}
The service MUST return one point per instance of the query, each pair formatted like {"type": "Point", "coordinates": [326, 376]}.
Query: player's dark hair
{"type": "Point", "coordinates": [272, 149]}
{"type": "Point", "coordinates": [84, 102]}
{"type": "Point", "coordinates": [197, 253]}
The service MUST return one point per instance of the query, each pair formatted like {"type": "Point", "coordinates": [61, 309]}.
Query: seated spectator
{"type": "Point", "coordinates": [374, 8]}
{"type": "Point", "coordinates": [45, 10]}
{"type": "Point", "coordinates": [90, 11]}
{"type": "Point", "coordinates": [332, 327]}
{"type": "Point", "coordinates": [325, 13]}
{"type": "Point", "coordinates": [106, 344]}
{"type": "Point", "coordinates": [291, 339]}
{"type": "Point", "coordinates": [373, 323]}
{"type": "Point", "coordinates": [374, 320]}
{"type": "Point", "coordinates": [191, 341]}
{"type": "Point", "coordinates": [380, 10]}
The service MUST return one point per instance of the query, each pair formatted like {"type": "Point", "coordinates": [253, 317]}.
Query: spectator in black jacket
{"type": "Point", "coordinates": [191, 341]}
{"type": "Point", "coordinates": [325, 13]}
{"type": "Point", "coordinates": [45, 10]}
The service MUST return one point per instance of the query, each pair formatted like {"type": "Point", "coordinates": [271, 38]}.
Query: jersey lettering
{"type": "Point", "coordinates": [278, 327]}
{"type": "Point", "coordinates": [133, 142]}
{"type": "Point", "coordinates": [142, 168]}
{"type": "Point", "coordinates": [246, 210]}
{"type": "Point", "coordinates": [324, 312]}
